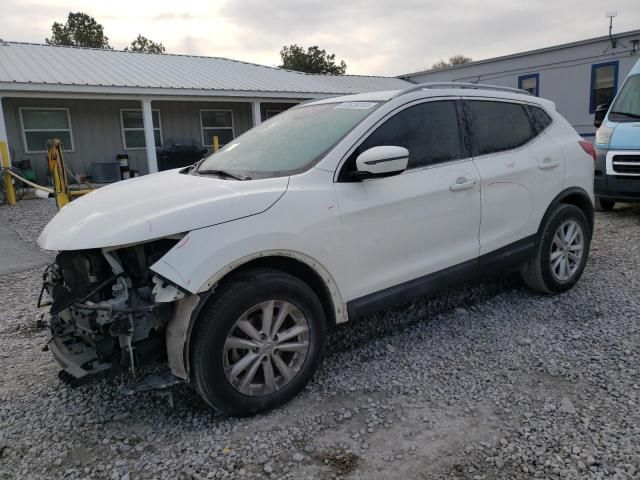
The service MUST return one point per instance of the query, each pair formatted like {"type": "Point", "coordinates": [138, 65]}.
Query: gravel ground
{"type": "Point", "coordinates": [482, 382]}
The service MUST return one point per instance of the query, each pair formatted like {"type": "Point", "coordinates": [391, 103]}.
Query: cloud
{"type": "Point", "coordinates": [190, 45]}
{"type": "Point", "coordinates": [169, 16]}
{"type": "Point", "coordinates": [375, 37]}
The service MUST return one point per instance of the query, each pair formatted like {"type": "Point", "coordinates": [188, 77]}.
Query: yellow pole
{"type": "Point", "coordinates": [57, 174]}
{"type": "Point", "coordinates": [6, 163]}
{"type": "Point", "coordinates": [216, 144]}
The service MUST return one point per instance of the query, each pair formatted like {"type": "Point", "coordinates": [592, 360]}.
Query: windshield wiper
{"type": "Point", "coordinates": [627, 114]}
{"type": "Point", "coordinates": [223, 173]}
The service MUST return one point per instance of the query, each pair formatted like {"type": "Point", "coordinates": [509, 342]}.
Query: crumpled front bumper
{"type": "Point", "coordinates": [78, 359]}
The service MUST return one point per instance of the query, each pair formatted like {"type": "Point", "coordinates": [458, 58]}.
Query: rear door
{"type": "Point", "coordinates": [521, 170]}
{"type": "Point", "coordinates": [402, 227]}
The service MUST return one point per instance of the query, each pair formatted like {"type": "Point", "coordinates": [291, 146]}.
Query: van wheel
{"type": "Point", "coordinates": [258, 342]}
{"type": "Point", "coordinates": [561, 251]}
{"type": "Point", "coordinates": [605, 205]}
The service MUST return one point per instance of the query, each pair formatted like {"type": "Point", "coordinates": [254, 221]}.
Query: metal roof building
{"type": "Point", "coordinates": [102, 103]}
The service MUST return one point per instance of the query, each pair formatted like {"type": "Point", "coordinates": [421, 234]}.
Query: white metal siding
{"type": "Point", "coordinates": [97, 129]}
{"type": "Point", "coordinates": [564, 74]}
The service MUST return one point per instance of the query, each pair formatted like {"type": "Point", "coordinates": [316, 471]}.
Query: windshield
{"type": "Point", "coordinates": [289, 143]}
{"type": "Point", "coordinates": [627, 103]}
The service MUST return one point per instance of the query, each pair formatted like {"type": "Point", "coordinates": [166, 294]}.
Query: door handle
{"type": "Point", "coordinates": [548, 164]}
{"type": "Point", "coordinates": [462, 183]}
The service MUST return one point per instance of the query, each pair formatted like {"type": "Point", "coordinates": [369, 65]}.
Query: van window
{"type": "Point", "coordinates": [428, 130]}
{"type": "Point", "coordinates": [627, 104]}
{"type": "Point", "coordinates": [499, 126]}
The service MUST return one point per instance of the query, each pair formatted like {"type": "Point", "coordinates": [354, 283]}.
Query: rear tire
{"type": "Point", "coordinates": [257, 343]}
{"type": "Point", "coordinates": [605, 205]}
{"type": "Point", "coordinates": [561, 251]}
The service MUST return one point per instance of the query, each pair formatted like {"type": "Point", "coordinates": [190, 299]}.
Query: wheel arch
{"type": "Point", "coordinates": [572, 196]}
{"type": "Point", "coordinates": [299, 265]}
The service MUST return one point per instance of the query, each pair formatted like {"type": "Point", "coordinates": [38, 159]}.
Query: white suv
{"type": "Point", "coordinates": [234, 269]}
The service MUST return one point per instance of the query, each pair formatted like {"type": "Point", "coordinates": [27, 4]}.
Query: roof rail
{"type": "Point", "coordinates": [475, 86]}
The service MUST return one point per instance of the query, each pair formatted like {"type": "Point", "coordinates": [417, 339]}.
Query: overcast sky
{"type": "Point", "coordinates": [373, 37]}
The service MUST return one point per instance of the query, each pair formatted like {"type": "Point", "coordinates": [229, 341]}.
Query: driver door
{"type": "Point", "coordinates": [426, 219]}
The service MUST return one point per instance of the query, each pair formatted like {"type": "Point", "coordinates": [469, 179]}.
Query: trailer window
{"type": "Point", "coordinates": [604, 84]}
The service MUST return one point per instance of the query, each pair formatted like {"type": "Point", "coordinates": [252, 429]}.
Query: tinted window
{"type": "Point", "coordinates": [428, 130]}
{"type": "Point", "coordinates": [499, 126]}
{"type": "Point", "coordinates": [540, 118]}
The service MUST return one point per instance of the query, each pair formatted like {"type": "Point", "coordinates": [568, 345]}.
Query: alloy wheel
{"type": "Point", "coordinates": [567, 248]}
{"type": "Point", "coordinates": [266, 348]}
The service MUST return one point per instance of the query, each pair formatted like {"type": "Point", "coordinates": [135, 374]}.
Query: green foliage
{"type": "Point", "coordinates": [313, 60]}
{"type": "Point", "coordinates": [81, 30]}
{"type": "Point", "coordinates": [454, 60]}
{"type": "Point", "coordinates": [144, 45]}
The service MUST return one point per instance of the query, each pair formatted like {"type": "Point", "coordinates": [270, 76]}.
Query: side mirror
{"type": "Point", "coordinates": [381, 161]}
{"type": "Point", "coordinates": [601, 112]}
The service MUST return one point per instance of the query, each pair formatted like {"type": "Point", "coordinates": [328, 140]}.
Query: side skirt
{"type": "Point", "coordinates": [506, 257]}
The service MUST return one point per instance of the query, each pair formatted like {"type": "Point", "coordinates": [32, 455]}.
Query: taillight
{"type": "Point", "coordinates": [589, 148]}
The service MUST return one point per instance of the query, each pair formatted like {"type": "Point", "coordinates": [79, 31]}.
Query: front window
{"type": "Point", "coordinates": [289, 143]}
{"type": "Point", "coordinates": [428, 130]}
{"type": "Point", "coordinates": [627, 104]}
{"type": "Point", "coordinates": [39, 125]}
{"type": "Point", "coordinates": [604, 83]}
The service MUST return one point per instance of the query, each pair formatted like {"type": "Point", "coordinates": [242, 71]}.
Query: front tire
{"type": "Point", "coordinates": [257, 344]}
{"type": "Point", "coordinates": [561, 251]}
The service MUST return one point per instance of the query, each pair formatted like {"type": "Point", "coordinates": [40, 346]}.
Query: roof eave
{"type": "Point", "coordinates": [144, 92]}
{"type": "Point", "coordinates": [522, 54]}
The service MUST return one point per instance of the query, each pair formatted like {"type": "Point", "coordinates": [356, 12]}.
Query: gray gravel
{"type": "Point", "coordinates": [486, 381]}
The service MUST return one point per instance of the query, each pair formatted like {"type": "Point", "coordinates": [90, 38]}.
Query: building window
{"type": "Point", "coordinates": [216, 123]}
{"type": "Point", "coordinates": [530, 83]}
{"type": "Point", "coordinates": [39, 125]}
{"type": "Point", "coordinates": [133, 129]}
{"type": "Point", "coordinates": [271, 113]}
{"type": "Point", "coordinates": [604, 84]}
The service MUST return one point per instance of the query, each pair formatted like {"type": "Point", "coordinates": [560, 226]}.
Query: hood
{"type": "Point", "coordinates": [626, 135]}
{"type": "Point", "coordinates": [155, 206]}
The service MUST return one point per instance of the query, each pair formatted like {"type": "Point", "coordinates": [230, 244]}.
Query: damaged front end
{"type": "Point", "coordinates": [109, 311]}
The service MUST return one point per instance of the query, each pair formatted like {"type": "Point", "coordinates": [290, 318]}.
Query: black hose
{"type": "Point", "coordinates": [103, 284]}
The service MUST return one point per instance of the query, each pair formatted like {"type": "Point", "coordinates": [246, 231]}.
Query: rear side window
{"type": "Point", "coordinates": [499, 126]}
{"type": "Point", "coordinates": [541, 119]}
{"type": "Point", "coordinates": [429, 131]}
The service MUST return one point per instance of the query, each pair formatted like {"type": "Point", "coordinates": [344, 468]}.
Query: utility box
{"type": "Point", "coordinates": [105, 172]}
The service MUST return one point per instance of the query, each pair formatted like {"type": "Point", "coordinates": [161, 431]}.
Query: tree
{"type": "Point", "coordinates": [144, 45]}
{"type": "Point", "coordinates": [81, 30]}
{"type": "Point", "coordinates": [454, 60]}
{"type": "Point", "coordinates": [313, 60]}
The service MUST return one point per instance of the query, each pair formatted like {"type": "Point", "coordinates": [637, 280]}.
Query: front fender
{"type": "Point", "coordinates": [187, 310]}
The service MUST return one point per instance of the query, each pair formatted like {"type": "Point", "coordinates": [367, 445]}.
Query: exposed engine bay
{"type": "Point", "coordinates": [109, 311]}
